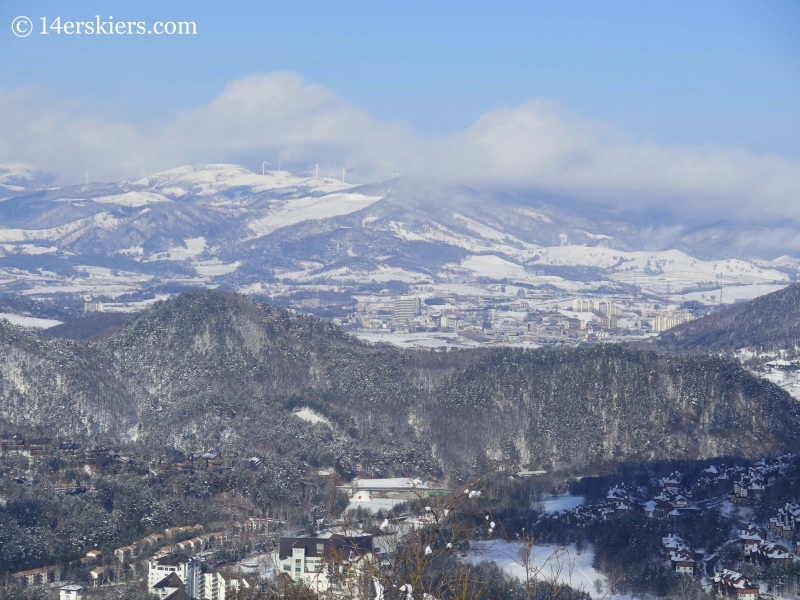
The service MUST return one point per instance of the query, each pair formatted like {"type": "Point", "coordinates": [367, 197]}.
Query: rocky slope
{"type": "Point", "coordinates": [213, 369]}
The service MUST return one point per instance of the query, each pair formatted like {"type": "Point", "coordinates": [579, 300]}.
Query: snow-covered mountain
{"type": "Point", "coordinates": [223, 224]}
{"type": "Point", "coordinates": [16, 180]}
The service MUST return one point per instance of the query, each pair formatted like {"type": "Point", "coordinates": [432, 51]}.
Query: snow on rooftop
{"type": "Point", "coordinates": [390, 483]}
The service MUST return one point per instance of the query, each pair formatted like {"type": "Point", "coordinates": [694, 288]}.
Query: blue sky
{"type": "Point", "coordinates": [705, 77]}
{"type": "Point", "coordinates": [692, 72]}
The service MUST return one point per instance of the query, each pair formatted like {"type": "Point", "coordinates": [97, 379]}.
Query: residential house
{"type": "Point", "coordinates": [224, 582]}
{"type": "Point", "coordinates": [256, 463]}
{"type": "Point", "coordinates": [68, 448]}
{"type": "Point", "coordinates": [70, 592]}
{"type": "Point", "coordinates": [683, 561]}
{"type": "Point", "coordinates": [40, 576]}
{"type": "Point", "coordinates": [99, 575]}
{"type": "Point", "coordinates": [191, 547]}
{"type": "Point", "coordinates": [770, 553]}
{"type": "Point", "coordinates": [168, 586]}
{"type": "Point", "coordinates": [750, 538]}
{"type": "Point", "coordinates": [39, 446]}
{"type": "Point", "coordinates": [185, 567]}
{"type": "Point", "coordinates": [125, 554]}
{"type": "Point", "coordinates": [12, 443]}
{"type": "Point", "coordinates": [211, 460]}
{"type": "Point", "coordinates": [733, 584]}
{"type": "Point", "coordinates": [91, 559]}
{"type": "Point", "coordinates": [658, 508]}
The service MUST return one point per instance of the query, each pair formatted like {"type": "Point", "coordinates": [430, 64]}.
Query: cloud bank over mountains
{"type": "Point", "coordinates": [537, 145]}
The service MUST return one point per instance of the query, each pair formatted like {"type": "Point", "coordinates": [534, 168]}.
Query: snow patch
{"type": "Point", "coordinates": [29, 321]}
{"type": "Point", "coordinates": [134, 199]}
{"type": "Point", "coordinates": [291, 212]}
{"type": "Point", "coordinates": [311, 416]}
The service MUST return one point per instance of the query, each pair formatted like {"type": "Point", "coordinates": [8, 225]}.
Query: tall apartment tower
{"type": "Point", "coordinates": [406, 307]}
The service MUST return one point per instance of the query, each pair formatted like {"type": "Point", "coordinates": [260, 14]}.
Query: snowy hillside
{"type": "Point", "coordinates": [212, 225]}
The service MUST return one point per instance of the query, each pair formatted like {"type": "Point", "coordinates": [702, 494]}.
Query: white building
{"type": "Point", "coordinates": [223, 583]}
{"type": "Point", "coordinates": [70, 592]}
{"type": "Point", "coordinates": [186, 568]}
{"type": "Point", "coordinates": [326, 563]}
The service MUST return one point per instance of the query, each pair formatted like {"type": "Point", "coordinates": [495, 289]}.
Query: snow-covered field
{"type": "Point", "coordinates": [29, 321]}
{"type": "Point", "coordinates": [562, 503]}
{"type": "Point", "coordinates": [416, 340]}
{"type": "Point", "coordinates": [544, 562]}
{"type": "Point", "coordinates": [562, 564]}
{"type": "Point", "coordinates": [374, 505]}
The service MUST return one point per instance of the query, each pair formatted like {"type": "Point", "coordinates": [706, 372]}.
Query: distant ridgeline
{"type": "Point", "coordinates": [213, 369]}
{"type": "Point", "coordinates": [768, 323]}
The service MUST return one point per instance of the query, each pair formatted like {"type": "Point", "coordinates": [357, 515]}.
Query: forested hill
{"type": "Point", "coordinates": [212, 369]}
{"type": "Point", "coordinates": [768, 323]}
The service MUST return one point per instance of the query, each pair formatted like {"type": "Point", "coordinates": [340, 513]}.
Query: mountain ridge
{"type": "Point", "coordinates": [215, 369]}
{"type": "Point", "coordinates": [223, 224]}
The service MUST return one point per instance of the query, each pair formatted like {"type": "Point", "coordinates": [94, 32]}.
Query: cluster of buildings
{"type": "Point", "coordinates": [787, 521]}
{"type": "Point", "coordinates": [97, 459]}
{"type": "Point", "coordinates": [734, 585]}
{"type": "Point", "coordinates": [761, 546]}
{"type": "Point", "coordinates": [664, 321]}
{"type": "Point", "coordinates": [672, 502]}
{"type": "Point", "coordinates": [178, 461]}
{"type": "Point", "coordinates": [540, 316]}
{"type": "Point", "coordinates": [172, 555]}
{"type": "Point", "coordinates": [752, 482]}
{"type": "Point", "coordinates": [330, 562]}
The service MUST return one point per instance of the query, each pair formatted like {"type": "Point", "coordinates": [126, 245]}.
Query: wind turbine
{"type": "Point", "coordinates": [279, 165]}
{"type": "Point", "coordinates": [87, 177]}
{"type": "Point", "coordinates": [330, 176]}
{"type": "Point", "coordinates": [344, 170]}
{"type": "Point", "coordinates": [262, 167]}
{"type": "Point", "coordinates": [395, 174]}
{"type": "Point", "coordinates": [316, 171]}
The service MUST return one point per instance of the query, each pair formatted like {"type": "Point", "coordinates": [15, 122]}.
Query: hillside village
{"type": "Point", "coordinates": [759, 558]}
{"type": "Point", "coordinates": [231, 556]}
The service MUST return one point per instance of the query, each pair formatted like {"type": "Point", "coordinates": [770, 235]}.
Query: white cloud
{"type": "Point", "coordinates": [535, 145]}
{"type": "Point", "coordinates": [539, 145]}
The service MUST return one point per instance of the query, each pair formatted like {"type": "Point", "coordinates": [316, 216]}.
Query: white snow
{"type": "Point", "coordinates": [533, 214]}
{"type": "Point", "coordinates": [562, 503]}
{"type": "Point", "coordinates": [211, 179]}
{"type": "Point", "coordinates": [311, 416]}
{"type": "Point", "coordinates": [291, 212]}
{"type": "Point", "coordinates": [416, 340]}
{"type": "Point", "coordinates": [30, 249]}
{"type": "Point", "coordinates": [212, 268]}
{"type": "Point", "coordinates": [374, 504]}
{"type": "Point", "coordinates": [29, 321]}
{"type": "Point", "coordinates": [194, 247]}
{"type": "Point", "coordinates": [730, 294]}
{"type": "Point", "coordinates": [489, 265]}
{"type": "Point", "coordinates": [563, 564]}
{"type": "Point", "coordinates": [103, 220]}
{"type": "Point", "coordinates": [132, 199]}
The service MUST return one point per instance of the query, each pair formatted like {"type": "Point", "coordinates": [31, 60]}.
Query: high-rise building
{"type": "Point", "coordinates": [406, 307]}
